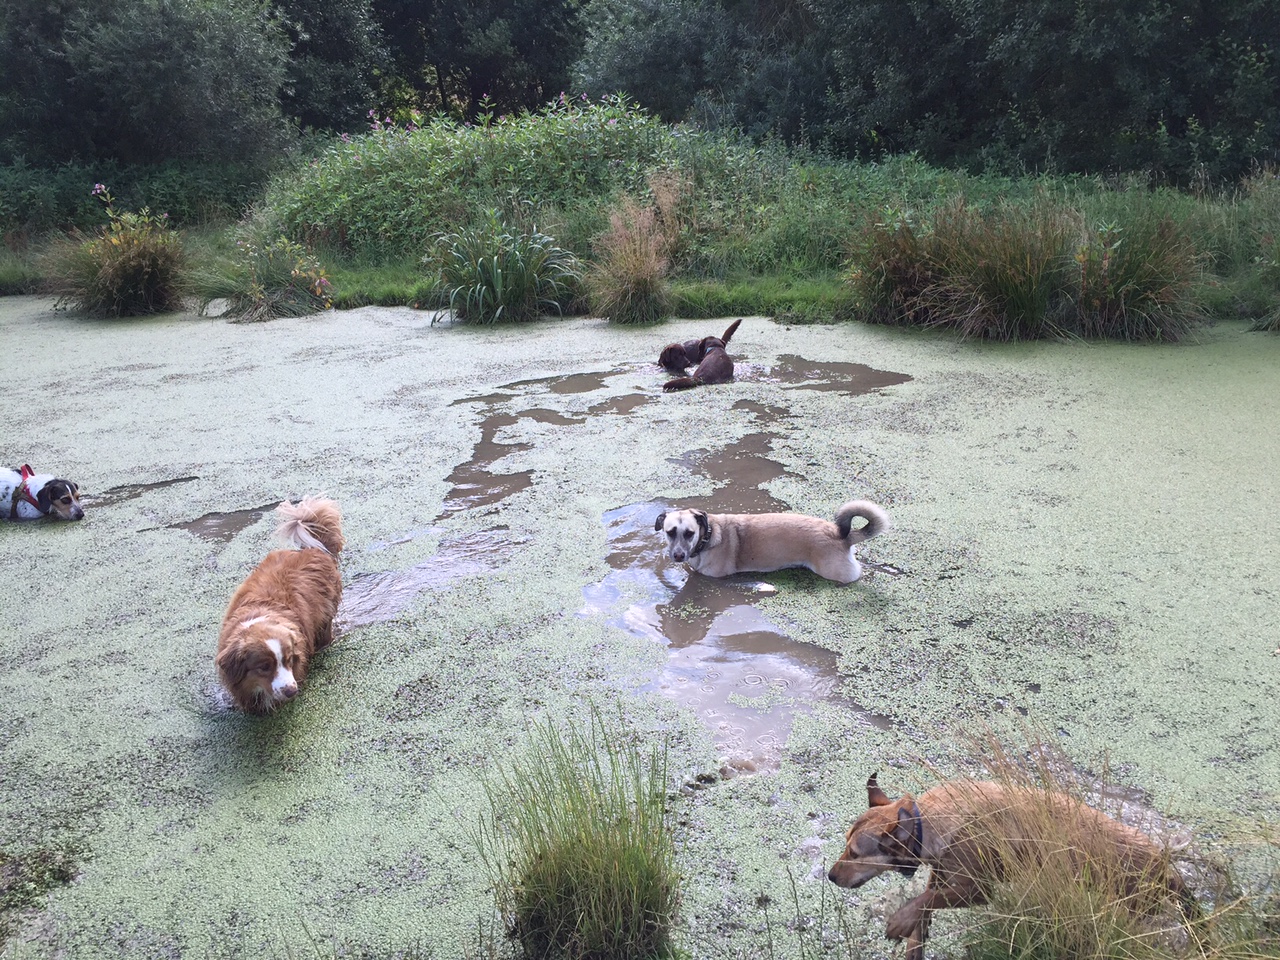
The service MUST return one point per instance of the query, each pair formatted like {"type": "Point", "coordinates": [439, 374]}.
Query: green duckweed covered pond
{"type": "Point", "coordinates": [1085, 542]}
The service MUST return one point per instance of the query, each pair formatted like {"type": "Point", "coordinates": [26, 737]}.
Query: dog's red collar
{"type": "Point", "coordinates": [21, 493]}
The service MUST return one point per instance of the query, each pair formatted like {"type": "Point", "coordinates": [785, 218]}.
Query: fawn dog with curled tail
{"type": "Point", "coordinates": [970, 833]}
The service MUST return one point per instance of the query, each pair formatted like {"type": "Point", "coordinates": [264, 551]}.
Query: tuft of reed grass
{"type": "Point", "coordinates": [628, 282]}
{"type": "Point", "coordinates": [270, 279]}
{"type": "Point", "coordinates": [1007, 273]}
{"type": "Point", "coordinates": [578, 846]}
{"type": "Point", "coordinates": [1078, 896]}
{"type": "Point", "coordinates": [493, 273]}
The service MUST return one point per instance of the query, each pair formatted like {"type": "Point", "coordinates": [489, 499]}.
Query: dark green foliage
{"type": "Point", "coordinates": [135, 265]}
{"type": "Point", "coordinates": [454, 56]}
{"type": "Point", "coordinates": [335, 53]}
{"type": "Point", "coordinates": [36, 199]}
{"type": "Point", "coordinates": [1185, 90]}
{"type": "Point", "coordinates": [496, 274]}
{"type": "Point", "coordinates": [141, 81]}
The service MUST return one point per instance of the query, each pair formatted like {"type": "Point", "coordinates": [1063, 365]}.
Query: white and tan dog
{"type": "Point", "coordinates": [27, 495]}
{"type": "Point", "coordinates": [722, 544]}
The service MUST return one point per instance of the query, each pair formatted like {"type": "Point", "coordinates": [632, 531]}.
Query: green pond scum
{"type": "Point", "coordinates": [1084, 537]}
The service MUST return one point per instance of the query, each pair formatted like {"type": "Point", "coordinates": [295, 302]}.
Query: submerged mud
{"type": "Point", "coordinates": [1083, 530]}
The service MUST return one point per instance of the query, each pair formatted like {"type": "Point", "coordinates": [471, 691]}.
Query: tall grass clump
{"type": "Point", "coordinates": [270, 279]}
{"type": "Point", "coordinates": [1136, 282]}
{"type": "Point", "coordinates": [494, 273]}
{"type": "Point", "coordinates": [1022, 271]}
{"type": "Point", "coordinates": [134, 265]}
{"type": "Point", "coordinates": [578, 846]}
{"type": "Point", "coordinates": [627, 283]}
{"type": "Point", "coordinates": [1078, 898]}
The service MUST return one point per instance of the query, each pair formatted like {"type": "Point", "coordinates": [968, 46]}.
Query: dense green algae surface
{"type": "Point", "coordinates": [1087, 534]}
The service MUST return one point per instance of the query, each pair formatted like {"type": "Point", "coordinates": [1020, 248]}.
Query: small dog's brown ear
{"type": "Point", "coordinates": [875, 796]}
{"type": "Point", "coordinates": [704, 527]}
{"type": "Point", "coordinates": [657, 524]}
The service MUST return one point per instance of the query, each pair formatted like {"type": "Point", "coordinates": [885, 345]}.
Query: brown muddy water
{"type": "Point", "coordinates": [1082, 548]}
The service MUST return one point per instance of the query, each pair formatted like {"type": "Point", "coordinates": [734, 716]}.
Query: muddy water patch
{"type": "Point", "coordinates": [851, 379]}
{"type": "Point", "coordinates": [743, 674]}
{"type": "Point", "coordinates": [474, 484]}
{"type": "Point", "coordinates": [130, 491]}
{"type": "Point", "coordinates": [223, 527]}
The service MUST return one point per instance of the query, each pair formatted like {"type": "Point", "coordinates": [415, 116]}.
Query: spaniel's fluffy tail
{"type": "Point", "coordinates": [311, 522]}
{"type": "Point", "coordinates": [877, 520]}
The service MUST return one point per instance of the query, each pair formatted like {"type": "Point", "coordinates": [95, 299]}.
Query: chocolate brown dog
{"type": "Point", "coordinates": [714, 363]}
{"type": "Point", "coordinates": [678, 357]}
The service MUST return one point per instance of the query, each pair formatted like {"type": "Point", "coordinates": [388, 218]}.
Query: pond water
{"type": "Point", "coordinates": [1083, 546]}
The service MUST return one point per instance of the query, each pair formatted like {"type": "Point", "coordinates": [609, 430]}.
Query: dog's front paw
{"type": "Point", "coordinates": [903, 922]}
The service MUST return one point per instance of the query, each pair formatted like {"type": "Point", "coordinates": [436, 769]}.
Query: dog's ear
{"type": "Point", "coordinates": [662, 517]}
{"type": "Point", "coordinates": [704, 526]}
{"type": "Point", "coordinates": [45, 498]}
{"type": "Point", "coordinates": [232, 666]}
{"type": "Point", "coordinates": [875, 796]}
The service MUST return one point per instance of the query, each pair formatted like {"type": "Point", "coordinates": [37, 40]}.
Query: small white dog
{"type": "Point", "coordinates": [722, 544]}
{"type": "Point", "coordinates": [27, 495]}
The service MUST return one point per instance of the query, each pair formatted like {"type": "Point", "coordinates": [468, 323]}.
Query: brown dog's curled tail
{"type": "Point", "coordinates": [312, 522]}
{"type": "Point", "coordinates": [682, 383]}
{"type": "Point", "coordinates": [877, 521]}
{"type": "Point", "coordinates": [733, 328]}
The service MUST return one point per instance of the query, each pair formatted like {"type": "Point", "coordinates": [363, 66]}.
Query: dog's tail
{"type": "Point", "coordinates": [682, 383]}
{"type": "Point", "coordinates": [728, 334]}
{"type": "Point", "coordinates": [877, 521]}
{"type": "Point", "coordinates": [312, 522]}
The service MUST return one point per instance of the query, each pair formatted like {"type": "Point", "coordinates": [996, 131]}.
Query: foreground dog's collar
{"type": "Point", "coordinates": [21, 493]}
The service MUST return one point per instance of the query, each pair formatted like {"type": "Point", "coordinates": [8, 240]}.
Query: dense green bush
{"type": "Point", "coordinates": [579, 848]}
{"type": "Point", "coordinates": [493, 273]}
{"type": "Point", "coordinates": [388, 192]}
{"type": "Point", "coordinates": [135, 265]}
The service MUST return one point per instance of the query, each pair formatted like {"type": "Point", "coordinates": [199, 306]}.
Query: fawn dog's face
{"type": "Point", "coordinates": [879, 840]}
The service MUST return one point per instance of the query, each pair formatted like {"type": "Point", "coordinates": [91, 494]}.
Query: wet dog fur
{"type": "Point", "coordinates": [722, 544]}
{"type": "Point", "coordinates": [27, 495]}
{"type": "Point", "coordinates": [283, 612]}
{"type": "Point", "coordinates": [966, 830]}
{"type": "Point", "coordinates": [678, 357]}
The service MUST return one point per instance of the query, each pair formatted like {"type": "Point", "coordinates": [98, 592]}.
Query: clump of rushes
{"type": "Point", "coordinates": [134, 265]}
{"type": "Point", "coordinates": [578, 846]}
{"type": "Point", "coordinates": [1022, 271]}
{"type": "Point", "coordinates": [493, 273]}
{"type": "Point", "coordinates": [628, 281]}
{"type": "Point", "coordinates": [1078, 900]}
{"type": "Point", "coordinates": [277, 278]}
{"type": "Point", "coordinates": [1137, 282]}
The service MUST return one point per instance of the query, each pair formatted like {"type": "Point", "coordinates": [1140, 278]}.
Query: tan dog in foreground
{"type": "Point", "coordinates": [968, 832]}
{"type": "Point", "coordinates": [722, 544]}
